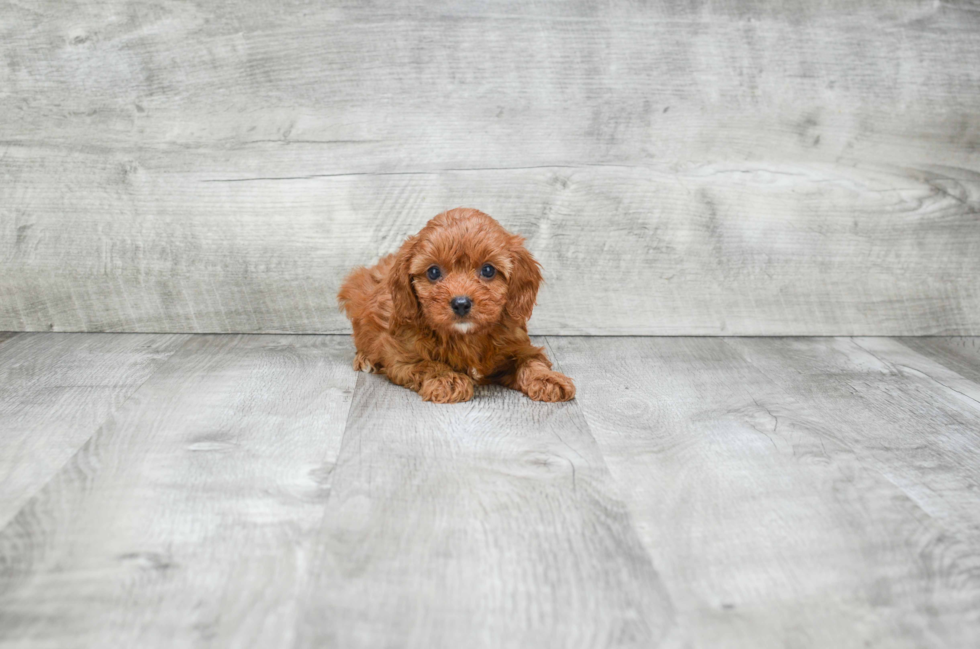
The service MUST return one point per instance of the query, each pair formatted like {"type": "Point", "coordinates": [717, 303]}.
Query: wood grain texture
{"type": "Point", "coordinates": [740, 168]}
{"type": "Point", "coordinates": [492, 523]}
{"type": "Point", "coordinates": [55, 392]}
{"type": "Point", "coordinates": [907, 361]}
{"type": "Point", "coordinates": [186, 520]}
{"type": "Point", "coordinates": [762, 479]}
{"type": "Point", "coordinates": [415, 84]}
{"type": "Point", "coordinates": [905, 418]}
{"type": "Point", "coordinates": [714, 248]}
{"type": "Point", "coordinates": [757, 493]}
{"type": "Point", "coordinates": [959, 354]}
{"type": "Point", "coordinates": [912, 419]}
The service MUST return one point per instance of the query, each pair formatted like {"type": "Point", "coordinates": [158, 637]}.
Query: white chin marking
{"type": "Point", "coordinates": [463, 327]}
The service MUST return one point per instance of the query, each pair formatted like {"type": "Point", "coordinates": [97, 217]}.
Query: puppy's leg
{"type": "Point", "coordinates": [534, 377]}
{"type": "Point", "coordinates": [433, 381]}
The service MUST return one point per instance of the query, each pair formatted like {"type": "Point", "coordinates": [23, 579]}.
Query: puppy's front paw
{"type": "Point", "coordinates": [547, 385]}
{"type": "Point", "coordinates": [447, 388]}
{"type": "Point", "coordinates": [362, 364]}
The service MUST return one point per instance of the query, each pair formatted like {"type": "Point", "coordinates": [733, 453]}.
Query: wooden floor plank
{"type": "Point", "coordinates": [907, 422]}
{"type": "Point", "coordinates": [960, 354]}
{"type": "Point", "coordinates": [913, 429]}
{"type": "Point", "coordinates": [906, 360]}
{"type": "Point", "coordinates": [6, 335]}
{"type": "Point", "coordinates": [492, 523]}
{"type": "Point", "coordinates": [767, 522]}
{"type": "Point", "coordinates": [724, 492]}
{"type": "Point", "coordinates": [186, 519]}
{"type": "Point", "coordinates": [55, 391]}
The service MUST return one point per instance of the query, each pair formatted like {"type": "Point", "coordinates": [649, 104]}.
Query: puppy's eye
{"type": "Point", "coordinates": [488, 271]}
{"type": "Point", "coordinates": [433, 273]}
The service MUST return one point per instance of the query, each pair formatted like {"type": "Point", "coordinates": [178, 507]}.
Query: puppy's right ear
{"type": "Point", "coordinates": [405, 305]}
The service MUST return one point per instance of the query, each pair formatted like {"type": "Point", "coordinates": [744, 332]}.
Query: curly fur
{"type": "Point", "coordinates": [405, 328]}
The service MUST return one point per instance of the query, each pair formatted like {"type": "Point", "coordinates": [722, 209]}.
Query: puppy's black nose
{"type": "Point", "coordinates": [461, 305]}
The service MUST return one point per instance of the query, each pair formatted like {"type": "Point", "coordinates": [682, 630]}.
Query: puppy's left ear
{"type": "Point", "coordinates": [523, 283]}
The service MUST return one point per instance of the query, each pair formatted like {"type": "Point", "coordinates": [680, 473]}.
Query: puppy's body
{"type": "Point", "coordinates": [449, 310]}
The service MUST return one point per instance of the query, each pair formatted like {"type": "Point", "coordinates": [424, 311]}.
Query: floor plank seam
{"type": "Point", "coordinates": [859, 458]}
{"type": "Point", "coordinates": [575, 403]}
{"type": "Point", "coordinates": [899, 367]}
{"type": "Point", "coordinates": [620, 489]}
{"type": "Point", "coordinates": [309, 588]}
{"type": "Point", "coordinates": [95, 431]}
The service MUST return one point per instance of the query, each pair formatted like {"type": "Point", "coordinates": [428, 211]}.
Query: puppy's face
{"type": "Point", "coordinates": [463, 273]}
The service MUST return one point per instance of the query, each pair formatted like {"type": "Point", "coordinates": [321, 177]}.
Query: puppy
{"type": "Point", "coordinates": [449, 310]}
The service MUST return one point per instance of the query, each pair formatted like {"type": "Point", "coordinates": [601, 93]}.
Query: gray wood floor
{"type": "Point", "coordinates": [193, 490]}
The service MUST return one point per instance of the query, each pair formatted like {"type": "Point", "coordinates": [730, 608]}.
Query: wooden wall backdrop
{"type": "Point", "coordinates": [692, 167]}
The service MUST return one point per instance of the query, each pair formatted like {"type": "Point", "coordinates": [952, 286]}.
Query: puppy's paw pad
{"type": "Point", "coordinates": [362, 364]}
{"type": "Point", "coordinates": [549, 386]}
{"type": "Point", "coordinates": [448, 388]}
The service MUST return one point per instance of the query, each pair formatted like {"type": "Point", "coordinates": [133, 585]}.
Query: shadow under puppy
{"type": "Point", "coordinates": [450, 310]}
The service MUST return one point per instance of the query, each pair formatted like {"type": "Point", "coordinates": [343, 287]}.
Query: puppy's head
{"type": "Point", "coordinates": [462, 274]}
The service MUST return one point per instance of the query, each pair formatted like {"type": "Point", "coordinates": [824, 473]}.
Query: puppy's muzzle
{"type": "Point", "coordinates": [461, 305]}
